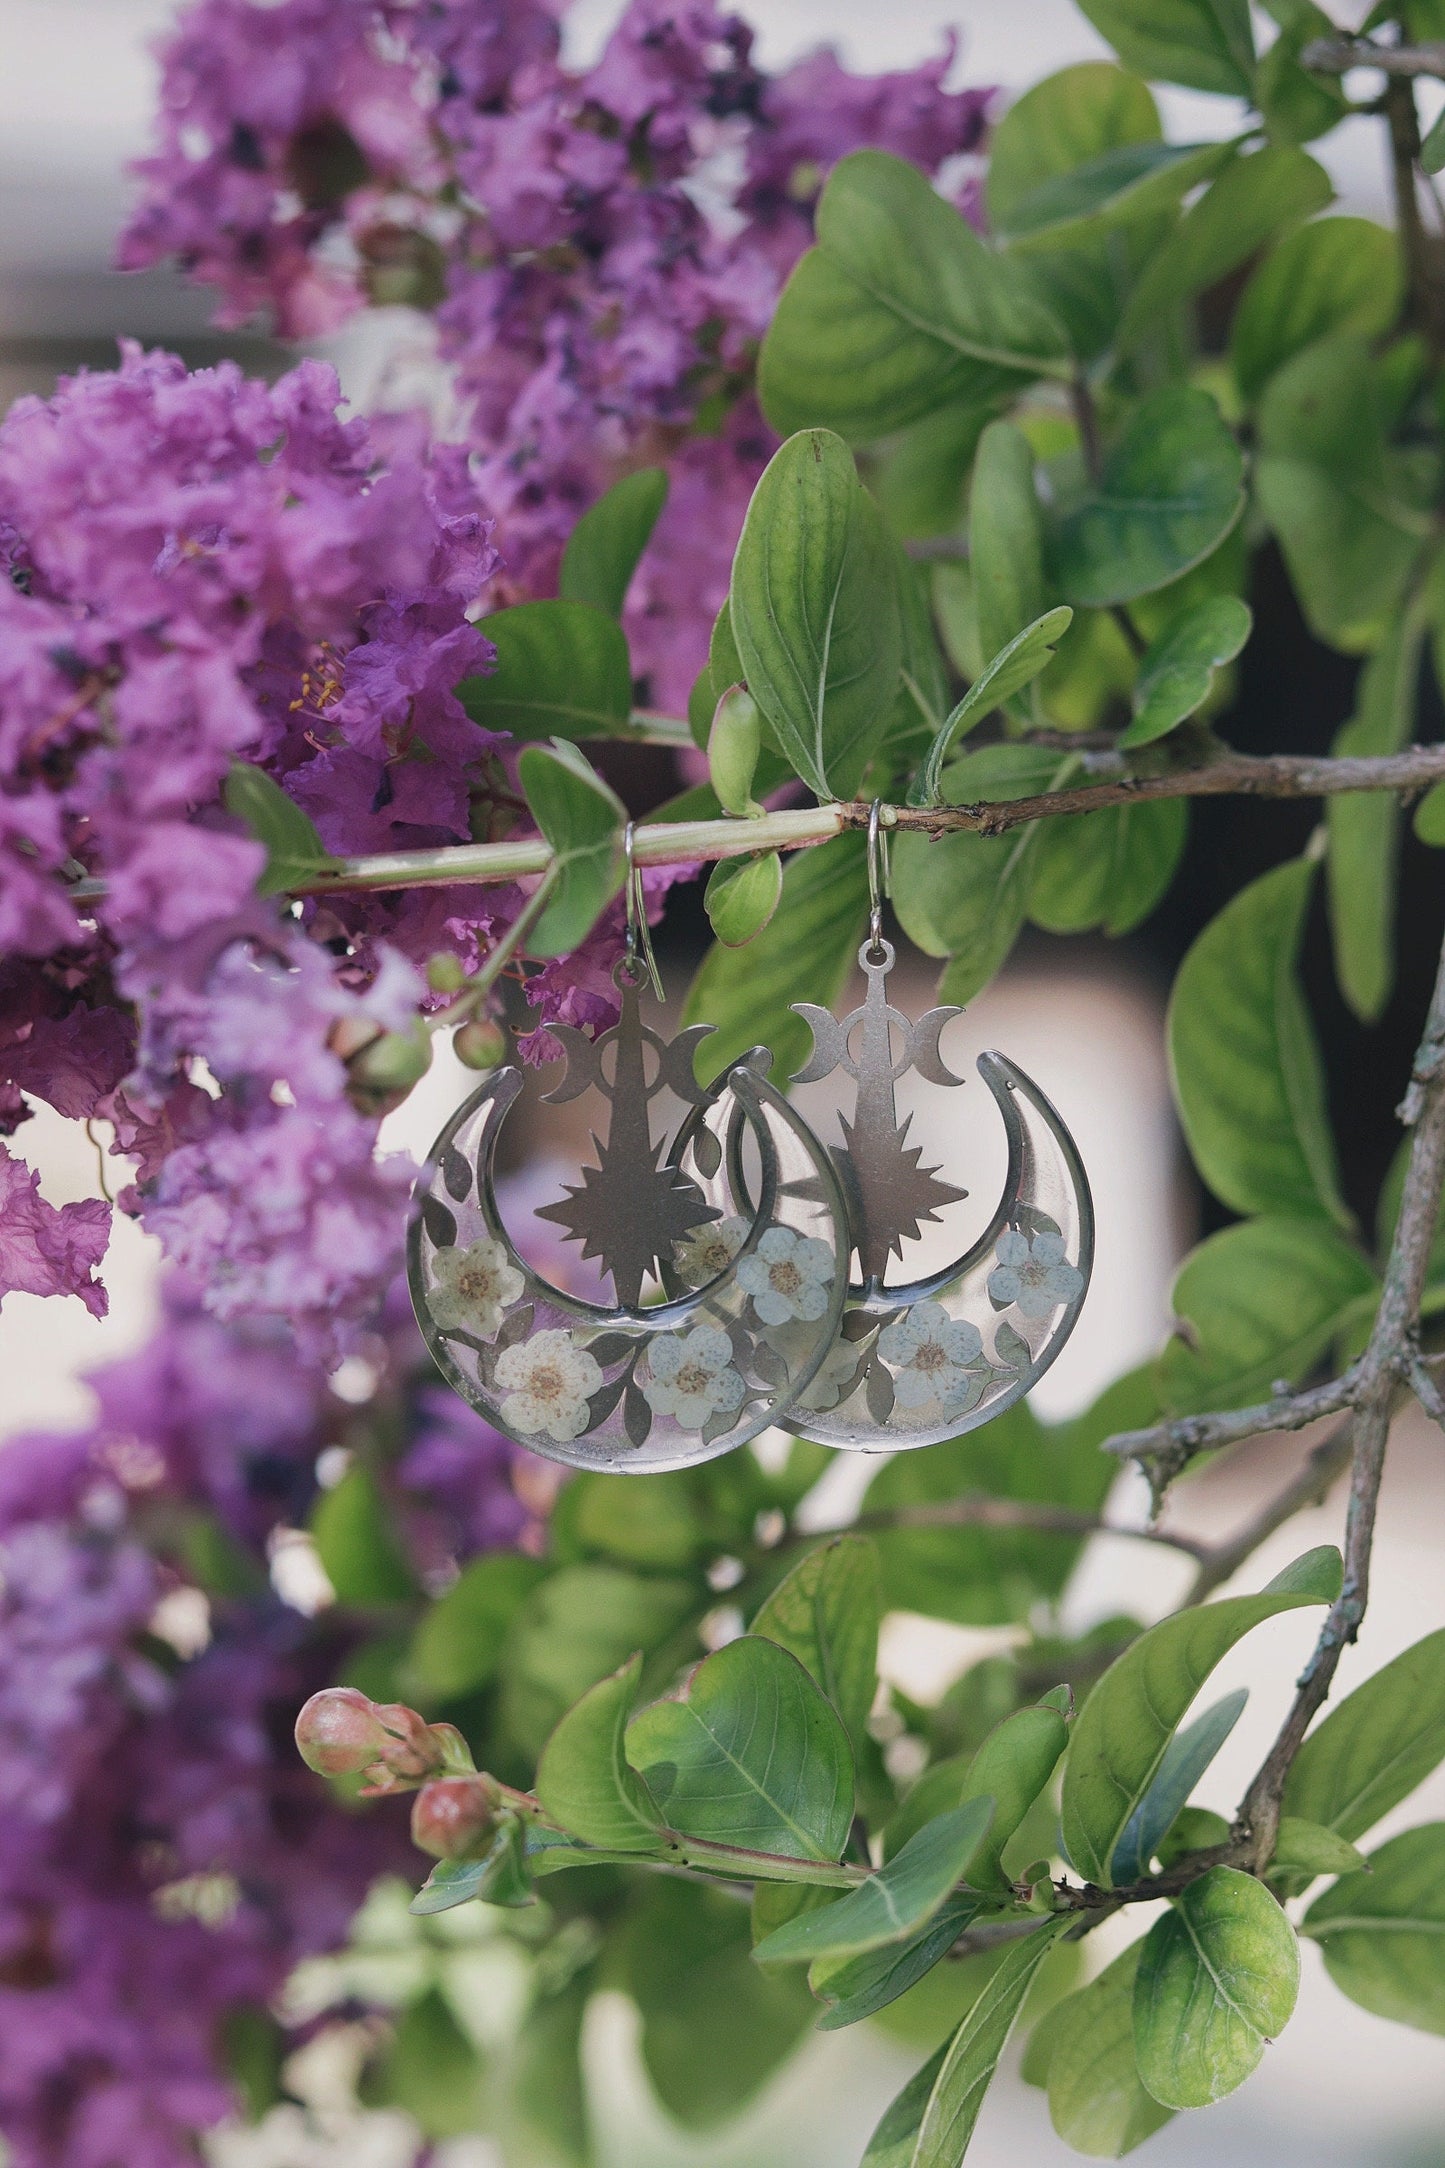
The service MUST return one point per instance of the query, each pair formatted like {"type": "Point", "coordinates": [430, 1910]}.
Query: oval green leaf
{"type": "Point", "coordinates": [1363, 827]}
{"type": "Point", "coordinates": [582, 818]}
{"type": "Point", "coordinates": [814, 611]}
{"type": "Point", "coordinates": [1217, 1981]}
{"type": "Point", "coordinates": [893, 1903]}
{"type": "Point", "coordinates": [1341, 275]}
{"type": "Point", "coordinates": [742, 895]}
{"type": "Point", "coordinates": [583, 1779]}
{"type": "Point", "coordinates": [958, 2091]}
{"type": "Point", "coordinates": [604, 547]}
{"type": "Point", "coordinates": [1176, 675]}
{"type": "Point", "coordinates": [1246, 1069]}
{"type": "Point", "coordinates": [1170, 491]}
{"type": "Point", "coordinates": [752, 1754]}
{"type": "Point", "coordinates": [1376, 1746]}
{"type": "Point", "coordinates": [1383, 1933]}
{"type": "Point", "coordinates": [1188, 1756]}
{"type": "Point", "coordinates": [1204, 44]}
{"type": "Point", "coordinates": [826, 1613]}
{"type": "Point", "coordinates": [1122, 1734]}
{"type": "Point", "coordinates": [562, 671]}
{"type": "Point", "coordinates": [1096, 2102]}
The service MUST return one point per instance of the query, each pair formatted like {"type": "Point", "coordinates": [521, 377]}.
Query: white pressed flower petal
{"type": "Point", "coordinates": [929, 1318]}
{"type": "Point", "coordinates": [1063, 1281]}
{"type": "Point", "coordinates": [1003, 1284]}
{"type": "Point", "coordinates": [567, 1419]}
{"type": "Point", "coordinates": [1036, 1302]}
{"type": "Point", "coordinates": [814, 1258]}
{"type": "Point", "coordinates": [585, 1372]}
{"type": "Point", "coordinates": [692, 1410]}
{"type": "Point", "coordinates": [664, 1357]}
{"type": "Point", "coordinates": [727, 1391]}
{"type": "Point", "coordinates": [659, 1396]}
{"type": "Point", "coordinates": [900, 1341]}
{"type": "Point", "coordinates": [913, 1388]}
{"type": "Point", "coordinates": [708, 1346]}
{"type": "Point", "coordinates": [777, 1245]}
{"type": "Point", "coordinates": [753, 1279]}
{"type": "Point", "coordinates": [810, 1301]}
{"type": "Point", "coordinates": [962, 1342]}
{"type": "Point", "coordinates": [772, 1308]}
{"type": "Point", "coordinates": [1049, 1249]}
{"type": "Point", "coordinates": [519, 1411]}
{"type": "Point", "coordinates": [1012, 1248]}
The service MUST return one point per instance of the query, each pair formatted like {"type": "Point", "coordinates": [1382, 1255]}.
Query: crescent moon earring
{"type": "Point", "coordinates": [932, 1357]}
{"type": "Point", "coordinates": [712, 1236]}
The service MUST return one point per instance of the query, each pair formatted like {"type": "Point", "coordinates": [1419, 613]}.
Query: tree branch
{"type": "Point", "coordinates": [1220, 1562]}
{"type": "Point", "coordinates": [1337, 56]}
{"type": "Point", "coordinates": [1165, 1449]}
{"type": "Point", "coordinates": [979, 1510]}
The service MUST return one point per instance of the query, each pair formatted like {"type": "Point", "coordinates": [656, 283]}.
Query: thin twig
{"type": "Point", "coordinates": [1166, 1448]}
{"type": "Point", "coordinates": [1220, 1562]}
{"type": "Point", "coordinates": [1426, 1391]}
{"type": "Point", "coordinates": [1337, 56]}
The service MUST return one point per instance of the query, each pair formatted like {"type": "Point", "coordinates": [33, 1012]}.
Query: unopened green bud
{"type": "Point", "coordinates": [733, 745]}
{"type": "Point", "coordinates": [480, 1044]}
{"type": "Point", "coordinates": [383, 1072]}
{"type": "Point", "coordinates": [444, 973]}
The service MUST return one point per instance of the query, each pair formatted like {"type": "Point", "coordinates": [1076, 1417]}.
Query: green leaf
{"type": "Point", "coordinates": [714, 2027]}
{"type": "Point", "coordinates": [814, 611]}
{"type": "Point", "coordinates": [458, 1643]}
{"type": "Point", "coordinates": [1119, 187]}
{"type": "Point", "coordinates": [356, 1541]}
{"type": "Point", "coordinates": [734, 742]}
{"type": "Point", "coordinates": [1176, 675]}
{"type": "Point", "coordinates": [452, 1882]}
{"type": "Point", "coordinates": [294, 850]}
{"type": "Point", "coordinates": [583, 1780]}
{"type": "Point", "coordinates": [1096, 2102]}
{"type": "Point", "coordinates": [650, 1520]}
{"type": "Point", "coordinates": [433, 2071]}
{"type": "Point", "coordinates": [752, 1754]}
{"type": "Point", "coordinates": [1383, 1932]}
{"type": "Point", "coordinates": [1011, 1768]}
{"type": "Point", "coordinates": [892, 2143]}
{"type": "Point", "coordinates": [1246, 1069]}
{"type": "Point", "coordinates": [1432, 150]}
{"type": "Point", "coordinates": [1339, 275]}
{"type": "Point", "coordinates": [582, 818]}
{"type": "Point", "coordinates": [899, 310]}
{"type": "Point", "coordinates": [544, 2116]}
{"type": "Point", "coordinates": [1071, 130]}
{"type": "Point", "coordinates": [893, 1903]}
{"type": "Point", "coordinates": [1217, 1981]}
{"type": "Point", "coordinates": [1253, 199]}
{"type": "Point", "coordinates": [578, 1625]}
{"type": "Point", "coordinates": [826, 1612]}
{"type": "Point", "coordinates": [562, 671]}
{"type": "Point", "coordinates": [860, 1987]}
{"type": "Point", "coordinates": [1186, 1758]}
{"type": "Point", "coordinates": [1309, 1849]}
{"type": "Point", "coordinates": [1005, 538]}
{"type": "Point", "coordinates": [1374, 1747]}
{"type": "Point", "coordinates": [957, 2096]}
{"type": "Point", "coordinates": [604, 547]}
{"type": "Point", "coordinates": [1260, 1302]}
{"type": "Point", "coordinates": [1364, 826]}
{"type": "Point", "coordinates": [1429, 822]}
{"type": "Point", "coordinates": [1338, 500]}
{"type": "Point", "coordinates": [1297, 104]}
{"type": "Point", "coordinates": [918, 476]}
{"type": "Point", "coordinates": [1122, 1734]}
{"type": "Point", "coordinates": [1194, 1829]}
{"type": "Point", "coordinates": [1105, 869]}
{"type": "Point", "coordinates": [1205, 44]}
{"type": "Point", "coordinates": [742, 896]}
{"type": "Point", "coordinates": [965, 895]}
{"type": "Point", "coordinates": [1017, 665]}
{"type": "Point", "coordinates": [747, 993]}
{"type": "Point", "coordinates": [1170, 491]}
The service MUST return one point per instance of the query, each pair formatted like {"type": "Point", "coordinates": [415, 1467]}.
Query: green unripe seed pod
{"type": "Point", "coordinates": [480, 1044]}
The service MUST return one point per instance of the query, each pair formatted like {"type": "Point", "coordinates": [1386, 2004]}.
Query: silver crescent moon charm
{"type": "Point", "coordinates": [935, 1357]}
{"type": "Point", "coordinates": [687, 1364]}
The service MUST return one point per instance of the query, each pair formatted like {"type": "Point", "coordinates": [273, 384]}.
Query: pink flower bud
{"type": "Point", "coordinates": [339, 1732]}
{"type": "Point", "coordinates": [409, 1746]}
{"type": "Point", "coordinates": [453, 1817]}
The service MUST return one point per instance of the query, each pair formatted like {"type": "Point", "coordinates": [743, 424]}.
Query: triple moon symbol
{"type": "Point", "coordinates": [725, 1307]}
{"type": "Point", "coordinates": [933, 1357]}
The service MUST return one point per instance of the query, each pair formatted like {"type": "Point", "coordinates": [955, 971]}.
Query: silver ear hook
{"type": "Point", "coordinates": [879, 875]}
{"type": "Point", "coordinates": [639, 934]}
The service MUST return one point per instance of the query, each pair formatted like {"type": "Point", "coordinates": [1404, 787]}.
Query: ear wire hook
{"type": "Point", "coordinates": [880, 882]}
{"type": "Point", "coordinates": [639, 934]}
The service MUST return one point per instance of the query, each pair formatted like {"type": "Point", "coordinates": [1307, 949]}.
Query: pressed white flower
{"type": "Point", "coordinates": [472, 1288]}
{"type": "Point", "coordinates": [788, 1275]}
{"type": "Point", "coordinates": [692, 1376]}
{"type": "Point", "coordinates": [710, 1251]}
{"type": "Point", "coordinates": [547, 1380]}
{"type": "Point", "coordinates": [1034, 1274]}
{"type": "Point", "coordinates": [931, 1352]}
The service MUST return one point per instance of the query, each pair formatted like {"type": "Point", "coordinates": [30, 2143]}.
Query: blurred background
{"type": "Point", "coordinates": [1342, 2089]}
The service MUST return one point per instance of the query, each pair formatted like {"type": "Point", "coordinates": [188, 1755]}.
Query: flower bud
{"type": "Point", "coordinates": [445, 973]}
{"type": "Point", "coordinates": [453, 1817]}
{"type": "Point", "coordinates": [480, 1044]}
{"type": "Point", "coordinates": [383, 1072]}
{"type": "Point", "coordinates": [339, 1732]}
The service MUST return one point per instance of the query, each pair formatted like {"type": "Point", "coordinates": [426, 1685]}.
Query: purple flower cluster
{"type": "Point", "coordinates": [164, 1858]}
{"type": "Point", "coordinates": [602, 246]}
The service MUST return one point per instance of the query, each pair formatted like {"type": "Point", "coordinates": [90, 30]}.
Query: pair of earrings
{"type": "Point", "coordinates": [729, 1247]}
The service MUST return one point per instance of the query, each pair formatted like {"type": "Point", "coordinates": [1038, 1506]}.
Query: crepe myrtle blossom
{"type": "Point", "coordinates": [692, 1376]}
{"type": "Point", "coordinates": [1033, 1275]}
{"type": "Point", "coordinates": [930, 1354]}
{"type": "Point", "coordinates": [702, 1256]}
{"type": "Point", "coordinates": [788, 1275]}
{"type": "Point", "coordinates": [547, 1381]}
{"type": "Point", "coordinates": [472, 1288]}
